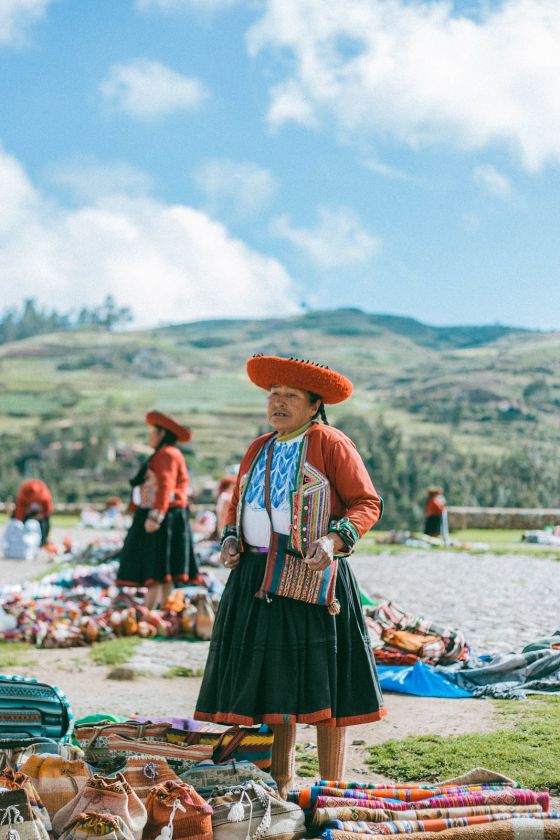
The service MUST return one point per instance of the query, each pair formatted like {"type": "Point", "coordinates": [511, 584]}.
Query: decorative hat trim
{"type": "Point", "coordinates": [329, 385]}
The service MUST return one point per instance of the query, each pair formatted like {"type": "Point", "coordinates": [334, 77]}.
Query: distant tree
{"type": "Point", "coordinates": [31, 319]}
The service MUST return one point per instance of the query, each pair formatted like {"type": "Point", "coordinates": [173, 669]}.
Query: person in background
{"type": "Point", "coordinates": [158, 549]}
{"type": "Point", "coordinates": [435, 512]}
{"type": "Point", "coordinates": [34, 501]}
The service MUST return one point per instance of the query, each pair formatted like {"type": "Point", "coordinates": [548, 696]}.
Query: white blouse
{"type": "Point", "coordinates": [256, 522]}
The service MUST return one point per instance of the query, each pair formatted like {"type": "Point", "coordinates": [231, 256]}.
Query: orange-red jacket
{"type": "Point", "coordinates": [167, 481]}
{"type": "Point", "coordinates": [332, 490]}
{"type": "Point", "coordinates": [33, 492]}
{"type": "Point", "coordinates": [434, 506]}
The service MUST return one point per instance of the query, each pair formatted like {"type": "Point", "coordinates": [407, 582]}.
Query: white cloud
{"type": "Point", "coordinates": [336, 240]}
{"type": "Point", "coordinates": [243, 187]}
{"type": "Point", "coordinates": [419, 72]}
{"type": "Point", "coordinates": [147, 90]}
{"type": "Point", "coordinates": [17, 15]}
{"type": "Point", "coordinates": [386, 170]}
{"type": "Point", "coordinates": [168, 262]}
{"type": "Point", "coordinates": [87, 179]}
{"type": "Point", "coordinates": [179, 5]}
{"type": "Point", "coordinates": [488, 177]}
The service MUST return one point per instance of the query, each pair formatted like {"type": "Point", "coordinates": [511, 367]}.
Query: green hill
{"type": "Point", "coordinates": [73, 402]}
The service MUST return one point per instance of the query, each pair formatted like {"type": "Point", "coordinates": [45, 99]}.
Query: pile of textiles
{"type": "Point", "coordinates": [154, 784]}
{"type": "Point", "coordinates": [400, 638]}
{"type": "Point", "coordinates": [511, 676]}
{"type": "Point", "coordinates": [545, 537]}
{"type": "Point", "coordinates": [491, 809]}
{"type": "Point", "coordinates": [81, 605]}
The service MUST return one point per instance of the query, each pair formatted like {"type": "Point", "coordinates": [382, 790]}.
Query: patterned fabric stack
{"type": "Point", "coordinates": [489, 811]}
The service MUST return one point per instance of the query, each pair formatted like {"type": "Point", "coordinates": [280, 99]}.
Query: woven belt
{"type": "Point", "coordinates": [255, 549]}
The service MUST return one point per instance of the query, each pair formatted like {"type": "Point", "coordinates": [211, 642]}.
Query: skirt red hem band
{"type": "Point", "coordinates": [134, 584]}
{"type": "Point", "coordinates": [321, 718]}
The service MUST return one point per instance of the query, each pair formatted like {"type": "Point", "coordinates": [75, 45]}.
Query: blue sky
{"type": "Point", "coordinates": [206, 158]}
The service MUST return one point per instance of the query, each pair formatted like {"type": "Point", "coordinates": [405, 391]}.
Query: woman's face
{"type": "Point", "coordinates": [289, 408]}
{"type": "Point", "coordinates": [155, 436]}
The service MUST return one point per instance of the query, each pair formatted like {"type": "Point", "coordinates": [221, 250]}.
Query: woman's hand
{"type": "Point", "coordinates": [150, 526]}
{"type": "Point", "coordinates": [229, 554]}
{"type": "Point", "coordinates": [321, 553]}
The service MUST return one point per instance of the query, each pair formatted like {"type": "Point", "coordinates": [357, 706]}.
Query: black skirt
{"type": "Point", "coordinates": [164, 556]}
{"type": "Point", "coordinates": [432, 526]}
{"type": "Point", "coordinates": [287, 661]}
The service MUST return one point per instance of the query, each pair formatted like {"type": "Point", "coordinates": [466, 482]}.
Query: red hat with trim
{"type": "Point", "coordinates": [157, 418]}
{"type": "Point", "coordinates": [267, 371]}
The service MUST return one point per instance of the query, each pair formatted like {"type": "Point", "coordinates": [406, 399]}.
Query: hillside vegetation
{"type": "Point", "coordinates": [452, 404]}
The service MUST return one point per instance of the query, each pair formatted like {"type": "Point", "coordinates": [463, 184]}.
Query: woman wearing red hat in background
{"type": "Point", "coordinates": [274, 659]}
{"type": "Point", "coordinates": [158, 549]}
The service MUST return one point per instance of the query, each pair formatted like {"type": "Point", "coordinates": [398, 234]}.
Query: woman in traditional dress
{"type": "Point", "coordinates": [303, 491]}
{"type": "Point", "coordinates": [158, 550]}
{"type": "Point", "coordinates": [434, 511]}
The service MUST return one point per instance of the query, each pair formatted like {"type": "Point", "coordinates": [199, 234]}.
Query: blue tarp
{"type": "Point", "coordinates": [419, 679]}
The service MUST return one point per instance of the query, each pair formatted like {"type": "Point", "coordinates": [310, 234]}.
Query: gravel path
{"type": "Point", "coordinates": [500, 602]}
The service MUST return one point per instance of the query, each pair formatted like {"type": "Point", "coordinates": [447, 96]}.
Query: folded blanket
{"type": "Point", "coordinates": [323, 816]}
{"type": "Point", "coordinates": [518, 829]}
{"type": "Point", "coordinates": [423, 826]}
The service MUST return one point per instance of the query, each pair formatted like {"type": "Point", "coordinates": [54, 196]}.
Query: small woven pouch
{"type": "Point", "coordinates": [102, 795]}
{"type": "Point", "coordinates": [142, 774]}
{"type": "Point", "coordinates": [175, 810]}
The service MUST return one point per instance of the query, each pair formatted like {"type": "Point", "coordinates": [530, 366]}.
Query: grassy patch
{"type": "Point", "coordinates": [114, 651]}
{"type": "Point", "coordinates": [526, 749]}
{"type": "Point", "coordinates": [16, 654]}
{"type": "Point", "coordinates": [181, 671]}
{"type": "Point", "coordinates": [307, 762]}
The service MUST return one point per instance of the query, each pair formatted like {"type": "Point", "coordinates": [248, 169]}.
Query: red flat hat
{"type": "Point", "coordinates": [266, 371]}
{"type": "Point", "coordinates": [156, 418]}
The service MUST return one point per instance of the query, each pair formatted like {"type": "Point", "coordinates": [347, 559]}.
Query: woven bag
{"type": "Point", "coordinates": [142, 774]}
{"type": "Point", "coordinates": [253, 811]}
{"type": "Point", "coordinates": [179, 757]}
{"type": "Point", "coordinates": [33, 709]}
{"type": "Point", "coordinates": [286, 574]}
{"type": "Point", "coordinates": [56, 780]}
{"type": "Point", "coordinates": [103, 795]}
{"type": "Point", "coordinates": [178, 807]}
{"type": "Point", "coordinates": [206, 777]}
{"type": "Point", "coordinates": [87, 826]}
{"type": "Point", "coordinates": [16, 780]}
{"type": "Point", "coordinates": [17, 821]}
{"type": "Point", "coordinates": [93, 738]}
{"type": "Point", "coordinates": [238, 743]}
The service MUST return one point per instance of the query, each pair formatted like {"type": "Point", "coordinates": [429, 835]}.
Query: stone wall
{"type": "Point", "coordinates": [479, 517]}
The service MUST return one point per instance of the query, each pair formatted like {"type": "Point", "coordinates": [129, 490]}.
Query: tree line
{"type": "Point", "coordinates": [32, 319]}
{"type": "Point", "coordinates": [402, 469]}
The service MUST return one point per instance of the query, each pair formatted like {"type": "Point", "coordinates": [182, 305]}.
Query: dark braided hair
{"type": "Point", "coordinates": [168, 439]}
{"type": "Point", "coordinates": [320, 413]}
